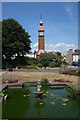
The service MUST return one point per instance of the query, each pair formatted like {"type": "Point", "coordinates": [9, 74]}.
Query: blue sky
{"type": "Point", "coordinates": [60, 22]}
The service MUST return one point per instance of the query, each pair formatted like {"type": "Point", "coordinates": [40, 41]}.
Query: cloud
{"type": "Point", "coordinates": [59, 45]}
{"type": "Point", "coordinates": [51, 45]}
{"type": "Point", "coordinates": [35, 45]}
{"type": "Point", "coordinates": [62, 47]}
{"type": "Point", "coordinates": [69, 10]}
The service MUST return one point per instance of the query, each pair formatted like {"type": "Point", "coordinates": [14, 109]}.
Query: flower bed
{"type": "Point", "coordinates": [10, 80]}
{"type": "Point", "coordinates": [7, 81]}
{"type": "Point", "coordinates": [62, 80]}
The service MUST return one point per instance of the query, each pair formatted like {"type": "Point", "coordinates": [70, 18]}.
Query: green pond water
{"type": "Point", "coordinates": [54, 104]}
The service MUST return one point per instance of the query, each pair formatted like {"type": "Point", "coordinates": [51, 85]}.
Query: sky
{"type": "Point", "coordinates": [60, 22]}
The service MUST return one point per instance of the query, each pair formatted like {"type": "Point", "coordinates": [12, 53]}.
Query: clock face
{"type": "Point", "coordinates": [41, 33]}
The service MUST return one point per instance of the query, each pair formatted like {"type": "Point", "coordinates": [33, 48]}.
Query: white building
{"type": "Point", "coordinates": [76, 55]}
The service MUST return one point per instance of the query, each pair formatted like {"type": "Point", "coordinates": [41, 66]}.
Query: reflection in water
{"type": "Point", "coordinates": [17, 104]}
{"type": "Point", "coordinates": [40, 96]}
{"type": "Point", "coordinates": [40, 105]}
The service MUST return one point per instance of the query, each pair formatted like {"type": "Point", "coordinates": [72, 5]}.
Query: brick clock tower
{"type": "Point", "coordinates": [41, 44]}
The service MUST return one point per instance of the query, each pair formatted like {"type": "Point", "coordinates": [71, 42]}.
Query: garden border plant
{"type": "Point", "coordinates": [44, 81]}
{"type": "Point", "coordinates": [74, 93]}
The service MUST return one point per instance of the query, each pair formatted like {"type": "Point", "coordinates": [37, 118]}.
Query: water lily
{"type": "Point", "coordinates": [24, 95]}
{"type": "Point", "coordinates": [40, 103]}
{"type": "Point", "coordinates": [64, 104]}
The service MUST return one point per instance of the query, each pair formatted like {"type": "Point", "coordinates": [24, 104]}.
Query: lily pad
{"type": "Point", "coordinates": [51, 94]}
{"type": "Point", "coordinates": [64, 100]}
{"type": "Point", "coordinates": [44, 94]}
{"type": "Point", "coordinates": [46, 91]}
{"type": "Point", "coordinates": [53, 103]}
{"type": "Point", "coordinates": [59, 97]}
{"type": "Point", "coordinates": [64, 104]}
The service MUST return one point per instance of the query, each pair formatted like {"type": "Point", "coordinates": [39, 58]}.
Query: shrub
{"type": "Point", "coordinates": [44, 81]}
{"type": "Point", "coordinates": [45, 63]}
{"type": "Point", "coordinates": [36, 60]}
{"type": "Point", "coordinates": [26, 84]}
{"type": "Point", "coordinates": [69, 71]}
{"type": "Point", "coordinates": [79, 61]}
{"type": "Point", "coordinates": [58, 63]}
{"type": "Point", "coordinates": [52, 64]}
{"type": "Point", "coordinates": [65, 63]}
{"type": "Point", "coordinates": [5, 65]}
{"type": "Point", "coordinates": [74, 93]}
{"type": "Point", "coordinates": [28, 67]}
{"type": "Point", "coordinates": [39, 65]}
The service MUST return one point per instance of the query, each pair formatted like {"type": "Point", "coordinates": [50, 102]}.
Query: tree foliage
{"type": "Point", "coordinates": [58, 56]}
{"type": "Point", "coordinates": [79, 61]}
{"type": "Point", "coordinates": [15, 40]}
{"type": "Point", "coordinates": [45, 63]}
{"type": "Point", "coordinates": [47, 56]}
{"type": "Point", "coordinates": [52, 64]}
{"type": "Point", "coordinates": [50, 59]}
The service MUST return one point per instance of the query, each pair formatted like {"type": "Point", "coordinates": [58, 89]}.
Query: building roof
{"type": "Point", "coordinates": [77, 51]}
{"type": "Point", "coordinates": [76, 54]}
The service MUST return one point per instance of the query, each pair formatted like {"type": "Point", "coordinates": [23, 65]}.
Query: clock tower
{"type": "Point", "coordinates": [41, 44]}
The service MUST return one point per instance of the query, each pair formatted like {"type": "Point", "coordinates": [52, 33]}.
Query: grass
{"type": "Point", "coordinates": [34, 76]}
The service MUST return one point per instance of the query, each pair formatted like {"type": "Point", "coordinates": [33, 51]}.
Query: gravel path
{"type": "Point", "coordinates": [38, 70]}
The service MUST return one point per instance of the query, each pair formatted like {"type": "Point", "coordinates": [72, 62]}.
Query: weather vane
{"type": "Point", "coordinates": [41, 16]}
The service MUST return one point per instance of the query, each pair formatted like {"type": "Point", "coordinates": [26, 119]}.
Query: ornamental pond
{"type": "Point", "coordinates": [54, 103]}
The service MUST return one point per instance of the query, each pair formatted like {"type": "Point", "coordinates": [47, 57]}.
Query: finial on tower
{"type": "Point", "coordinates": [41, 17]}
{"type": "Point", "coordinates": [41, 23]}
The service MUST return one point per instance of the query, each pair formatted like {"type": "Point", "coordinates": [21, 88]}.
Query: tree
{"type": "Point", "coordinates": [45, 63]}
{"type": "Point", "coordinates": [50, 59]}
{"type": "Point", "coordinates": [36, 60]}
{"type": "Point", "coordinates": [39, 65]}
{"type": "Point", "coordinates": [58, 56]}
{"type": "Point", "coordinates": [15, 40]}
{"type": "Point", "coordinates": [79, 61]}
{"type": "Point", "coordinates": [47, 56]}
{"type": "Point", "coordinates": [52, 64]}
